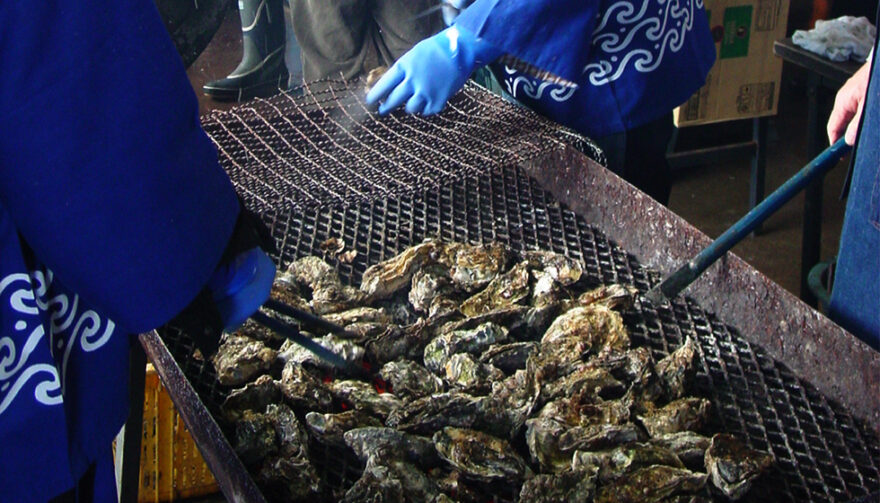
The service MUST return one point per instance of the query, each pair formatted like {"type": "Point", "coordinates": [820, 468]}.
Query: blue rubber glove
{"type": "Point", "coordinates": [431, 72]}
{"type": "Point", "coordinates": [241, 286]}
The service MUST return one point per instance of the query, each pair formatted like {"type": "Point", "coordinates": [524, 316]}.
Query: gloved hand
{"type": "Point", "coordinates": [238, 287]}
{"type": "Point", "coordinates": [431, 72]}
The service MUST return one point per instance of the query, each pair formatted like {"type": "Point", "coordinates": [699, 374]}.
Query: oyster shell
{"type": "Point", "coordinates": [409, 380]}
{"type": "Point", "coordinates": [594, 381]}
{"type": "Point", "coordinates": [610, 296]}
{"type": "Point", "coordinates": [474, 267]}
{"type": "Point", "coordinates": [733, 465]}
{"type": "Point", "coordinates": [690, 447]}
{"type": "Point", "coordinates": [289, 471]}
{"type": "Point", "coordinates": [293, 353]}
{"type": "Point", "coordinates": [254, 437]}
{"type": "Point", "coordinates": [577, 486]}
{"type": "Point", "coordinates": [328, 294]}
{"type": "Point", "coordinates": [509, 357]}
{"type": "Point", "coordinates": [388, 443]}
{"type": "Point", "coordinates": [677, 370]}
{"type": "Point", "coordinates": [329, 428]}
{"type": "Point", "coordinates": [363, 396]}
{"type": "Point", "coordinates": [542, 438]}
{"type": "Point", "coordinates": [393, 480]}
{"type": "Point", "coordinates": [624, 459]}
{"type": "Point", "coordinates": [241, 359]}
{"type": "Point", "coordinates": [359, 315]}
{"type": "Point", "coordinates": [429, 283]}
{"type": "Point", "coordinates": [598, 326]}
{"type": "Point", "coordinates": [551, 271]}
{"type": "Point", "coordinates": [511, 403]}
{"type": "Point", "coordinates": [506, 289]}
{"type": "Point", "coordinates": [651, 484]}
{"type": "Point", "coordinates": [382, 280]}
{"type": "Point", "coordinates": [475, 341]}
{"type": "Point", "coordinates": [302, 390]}
{"type": "Point", "coordinates": [678, 415]}
{"type": "Point", "coordinates": [479, 455]}
{"type": "Point", "coordinates": [429, 414]}
{"type": "Point", "coordinates": [466, 372]}
{"type": "Point", "coordinates": [373, 76]}
{"type": "Point", "coordinates": [253, 396]}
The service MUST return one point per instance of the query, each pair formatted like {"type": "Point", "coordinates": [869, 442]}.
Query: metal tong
{"type": "Point", "coordinates": [673, 284]}
{"type": "Point", "coordinates": [310, 321]}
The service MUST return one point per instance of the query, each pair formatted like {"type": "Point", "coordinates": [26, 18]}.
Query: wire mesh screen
{"type": "Point", "coordinates": [334, 181]}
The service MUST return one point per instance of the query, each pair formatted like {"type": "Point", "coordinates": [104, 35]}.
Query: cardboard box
{"type": "Point", "coordinates": [744, 83]}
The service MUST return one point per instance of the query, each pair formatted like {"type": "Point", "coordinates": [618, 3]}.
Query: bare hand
{"type": "Point", "coordinates": [848, 105]}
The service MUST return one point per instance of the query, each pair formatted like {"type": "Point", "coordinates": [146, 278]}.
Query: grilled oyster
{"type": "Point", "coordinates": [329, 428]}
{"type": "Point", "coordinates": [429, 283]}
{"type": "Point", "coordinates": [466, 372]}
{"type": "Point", "coordinates": [253, 330]}
{"type": "Point", "coordinates": [253, 396]}
{"type": "Point", "coordinates": [610, 296]}
{"type": "Point", "coordinates": [599, 436]}
{"type": "Point", "coordinates": [241, 359]}
{"type": "Point", "coordinates": [677, 370]}
{"type": "Point", "coordinates": [430, 413]}
{"type": "Point", "coordinates": [733, 465]}
{"type": "Point", "coordinates": [363, 396]}
{"type": "Point", "coordinates": [385, 278]}
{"type": "Point", "coordinates": [598, 326]}
{"type": "Point", "coordinates": [624, 459]}
{"type": "Point", "coordinates": [328, 294]}
{"type": "Point", "coordinates": [293, 353]}
{"type": "Point", "coordinates": [454, 483]}
{"type": "Point", "coordinates": [373, 76]}
{"type": "Point", "coordinates": [542, 438]}
{"type": "Point", "coordinates": [393, 480]}
{"type": "Point", "coordinates": [476, 266]}
{"type": "Point", "coordinates": [254, 437]}
{"type": "Point", "coordinates": [285, 289]}
{"type": "Point", "coordinates": [651, 484]}
{"type": "Point", "coordinates": [636, 367]}
{"type": "Point", "coordinates": [388, 443]}
{"type": "Point", "coordinates": [690, 447]}
{"type": "Point", "coordinates": [506, 289]}
{"type": "Point", "coordinates": [302, 390]}
{"type": "Point", "coordinates": [475, 341]}
{"type": "Point", "coordinates": [289, 472]}
{"type": "Point", "coordinates": [576, 486]}
{"type": "Point", "coordinates": [479, 455]}
{"type": "Point", "coordinates": [679, 415]}
{"type": "Point", "coordinates": [511, 403]}
{"type": "Point", "coordinates": [409, 380]}
{"type": "Point", "coordinates": [594, 381]}
{"type": "Point", "coordinates": [508, 357]}
{"type": "Point", "coordinates": [551, 271]}
{"type": "Point", "coordinates": [359, 315]}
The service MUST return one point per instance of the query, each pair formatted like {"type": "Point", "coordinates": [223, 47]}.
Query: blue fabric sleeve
{"type": "Point", "coordinates": [104, 167]}
{"type": "Point", "coordinates": [553, 35]}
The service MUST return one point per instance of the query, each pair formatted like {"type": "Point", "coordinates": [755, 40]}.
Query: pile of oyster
{"type": "Point", "coordinates": [493, 373]}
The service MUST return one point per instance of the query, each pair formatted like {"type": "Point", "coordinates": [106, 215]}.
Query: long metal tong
{"type": "Point", "coordinates": [309, 321]}
{"type": "Point", "coordinates": [690, 271]}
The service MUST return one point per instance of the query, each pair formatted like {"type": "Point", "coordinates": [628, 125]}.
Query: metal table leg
{"type": "Point", "coordinates": [128, 442]}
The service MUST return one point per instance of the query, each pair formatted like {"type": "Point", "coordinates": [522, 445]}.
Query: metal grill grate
{"type": "Point", "coordinates": [822, 453]}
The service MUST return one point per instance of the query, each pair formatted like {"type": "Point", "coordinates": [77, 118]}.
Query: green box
{"type": "Point", "coordinates": [737, 28]}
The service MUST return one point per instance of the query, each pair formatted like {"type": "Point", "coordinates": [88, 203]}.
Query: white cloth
{"type": "Point", "coordinates": [840, 39]}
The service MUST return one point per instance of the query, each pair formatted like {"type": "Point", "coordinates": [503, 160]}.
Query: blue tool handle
{"type": "Point", "coordinates": [686, 274]}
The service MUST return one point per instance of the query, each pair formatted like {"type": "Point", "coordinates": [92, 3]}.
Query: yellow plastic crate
{"type": "Point", "coordinates": [171, 466]}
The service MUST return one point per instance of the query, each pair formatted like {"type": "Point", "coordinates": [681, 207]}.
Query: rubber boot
{"type": "Point", "coordinates": [261, 71]}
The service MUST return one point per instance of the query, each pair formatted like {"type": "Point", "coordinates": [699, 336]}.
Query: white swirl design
{"type": "Point", "coordinates": [518, 85]}
{"type": "Point", "coordinates": [657, 29]}
{"type": "Point", "coordinates": [39, 308]}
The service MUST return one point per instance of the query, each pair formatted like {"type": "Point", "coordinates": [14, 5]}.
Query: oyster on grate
{"type": "Point", "coordinates": [393, 480]}
{"type": "Point", "coordinates": [733, 465]}
{"type": "Point", "coordinates": [328, 294]}
{"type": "Point", "coordinates": [289, 471]}
{"type": "Point", "coordinates": [475, 266]}
{"type": "Point", "coordinates": [542, 438]}
{"type": "Point", "coordinates": [651, 484]}
{"type": "Point", "coordinates": [610, 296]}
{"type": "Point", "coordinates": [429, 283]}
{"type": "Point", "coordinates": [302, 390]}
{"type": "Point", "coordinates": [359, 315]}
{"type": "Point", "coordinates": [511, 403]}
{"type": "Point", "coordinates": [677, 370]}
{"type": "Point", "coordinates": [409, 380]}
{"type": "Point", "coordinates": [624, 459]}
{"type": "Point", "coordinates": [363, 396]}
{"type": "Point", "coordinates": [594, 381]}
{"type": "Point", "coordinates": [509, 357]}
{"type": "Point", "coordinates": [476, 340]}
{"type": "Point", "coordinates": [690, 447]}
{"type": "Point", "coordinates": [329, 428]}
{"type": "Point", "coordinates": [254, 437]}
{"type": "Point", "coordinates": [429, 414]}
{"type": "Point", "coordinates": [382, 280]}
{"type": "Point", "coordinates": [253, 330]}
{"type": "Point", "coordinates": [678, 415]}
{"type": "Point", "coordinates": [253, 396]}
{"type": "Point", "coordinates": [479, 455]}
{"type": "Point", "coordinates": [292, 353]}
{"type": "Point", "coordinates": [388, 443]}
{"type": "Point", "coordinates": [241, 359]}
{"type": "Point", "coordinates": [506, 289]}
{"type": "Point", "coordinates": [635, 367]}
{"type": "Point", "coordinates": [574, 486]}
{"type": "Point", "coordinates": [373, 76]}
{"type": "Point", "coordinates": [599, 327]}
{"type": "Point", "coordinates": [551, 271]}
{"type": "Point", "coordinates": [469, 374]}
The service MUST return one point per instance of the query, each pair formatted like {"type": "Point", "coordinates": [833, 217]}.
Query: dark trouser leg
{"type": "Point", "coordinates": [639, 157]}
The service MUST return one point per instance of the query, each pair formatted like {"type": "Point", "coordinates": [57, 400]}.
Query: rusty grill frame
{"type": "Point", "coordinates": [750, 373]}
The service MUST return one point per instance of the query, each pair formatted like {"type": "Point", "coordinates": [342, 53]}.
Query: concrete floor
{"type": "Point", "coordinates": [711, 197]}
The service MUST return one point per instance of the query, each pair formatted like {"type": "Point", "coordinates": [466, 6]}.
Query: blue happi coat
{"type": "Point", "coordinates": [633, 60]}
{"type": "Point", "coordinates": [113, 214]}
